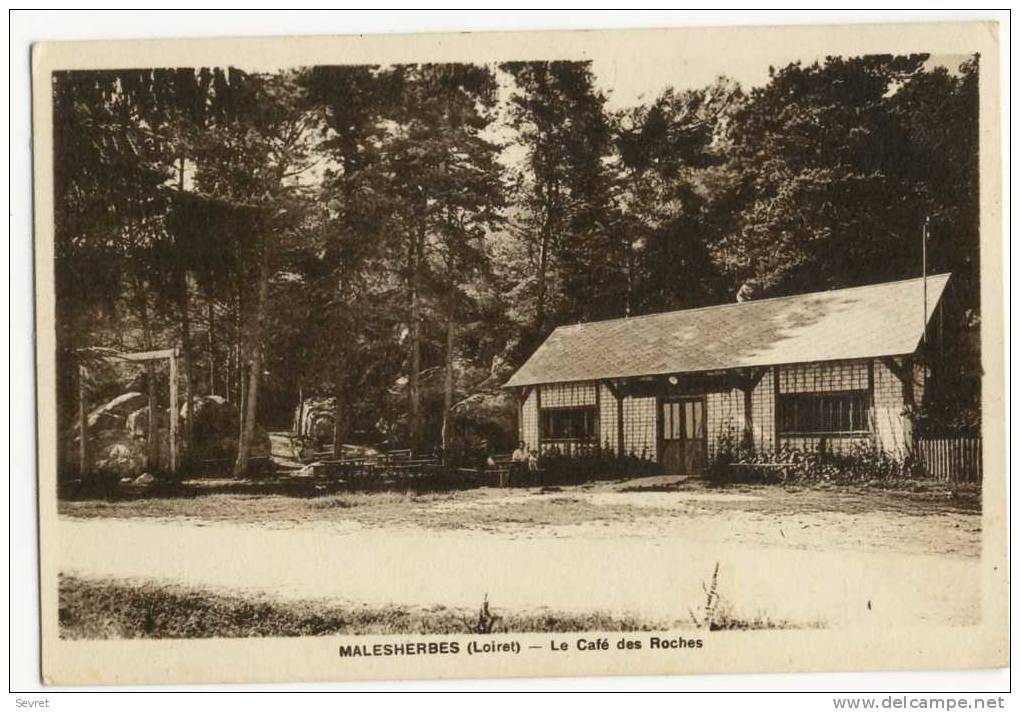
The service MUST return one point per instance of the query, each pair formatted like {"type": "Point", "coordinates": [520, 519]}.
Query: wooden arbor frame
{"type": "Point", "coordinates": [171, 356]}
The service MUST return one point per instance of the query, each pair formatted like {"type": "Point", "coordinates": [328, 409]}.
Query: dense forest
{"type": "Point", "coordinates": [398, 239]}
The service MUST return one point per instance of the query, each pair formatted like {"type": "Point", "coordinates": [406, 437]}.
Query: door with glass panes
{"type": "Point", "coordinates": [682, 447]}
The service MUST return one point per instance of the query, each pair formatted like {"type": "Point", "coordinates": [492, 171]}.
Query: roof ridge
{"type": "Point", "coordinates": [750, 301]}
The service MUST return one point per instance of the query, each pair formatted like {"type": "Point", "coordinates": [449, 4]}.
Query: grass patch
{"type": "Point", "coordinates": [379, 507]}
{"type": "Point", "coordinates": [450, 510]}
{"type": "Point", "coordinates": [103, 610]}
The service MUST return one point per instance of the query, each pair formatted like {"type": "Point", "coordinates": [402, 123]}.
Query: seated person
{"type": "Point", "coordinates": [519, 460]}
{"type": "Point", "coordinates": [520, 454]}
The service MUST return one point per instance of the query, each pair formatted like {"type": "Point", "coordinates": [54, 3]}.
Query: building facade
{"type": "Point", "coordinates": [840, 368]}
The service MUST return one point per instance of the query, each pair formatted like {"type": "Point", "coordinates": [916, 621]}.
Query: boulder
{"type": "Point", "coordinates": [486, 422]}
{"type": "Point", "coordinates": [118, 453]}
{"type": "Point", "coordinates": [137, 421]}
{"type": "Point", "coordinates": [215, 430]}
{"type": "Point", "coordinates": [314, 421]}
{"type": "Point", "coordinates": [113, 414]}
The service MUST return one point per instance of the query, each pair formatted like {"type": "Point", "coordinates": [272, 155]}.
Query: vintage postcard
{"type": "Point", "coordinates": [662, 351]}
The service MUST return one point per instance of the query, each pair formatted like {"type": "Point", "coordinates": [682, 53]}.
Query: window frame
{"type": "Point", "coordinates": [676, 426]}
{"type": "Point", "coordinates": [859, 397]}
{"type": "Point", "coordinates": [545, 413]}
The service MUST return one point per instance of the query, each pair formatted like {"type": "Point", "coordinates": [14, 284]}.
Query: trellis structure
{"type": "Point", "coordinates": [171, 356]}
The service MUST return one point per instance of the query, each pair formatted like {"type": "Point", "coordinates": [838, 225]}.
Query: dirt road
{"type": "Point", "coordinates": [654, 568]}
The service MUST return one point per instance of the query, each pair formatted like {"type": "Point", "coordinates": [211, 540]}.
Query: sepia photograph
{"type": "Point", "coordinates": [545, 349]}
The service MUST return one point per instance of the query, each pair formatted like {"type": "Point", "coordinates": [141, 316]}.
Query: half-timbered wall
{"type": "Point", "coordinates": [887, 409]}
{"type": "Point", "coordinates": [639, 427]}
{"type": "Point", "coordinates": [887, 416]}
{"type": "Point", "coordinates": [639, 415]}
{"type": "Point", "coordinates": [564, 395]}
{"type": "Point", "coordinates": [725, 409]}
{"type": "Point", "coordinates": [608, 430]}
{"type": "Point", "coordinates": [528, 425]}
{"type": "Point", "coordinates": [567, 395]}
{"type": "Point", "coordinates": [724, 416]}
{"type": "Point", "coordinates": [824, 377]}
{"type": "Point", "coordinates": [763, 412]}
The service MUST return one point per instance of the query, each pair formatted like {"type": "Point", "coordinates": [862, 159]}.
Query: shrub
{"type": "Point", "coordinates": [593, 463]}
{"type": "Point", "coordinates": [856, 462]}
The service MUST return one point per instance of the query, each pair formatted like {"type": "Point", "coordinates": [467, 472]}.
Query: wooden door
{"type": "Point", "coordinates": [695, 445]}
{"type": "Point", "coordinates": [682, 443]}
{"type": "Point", "coordinates": [671, 446]}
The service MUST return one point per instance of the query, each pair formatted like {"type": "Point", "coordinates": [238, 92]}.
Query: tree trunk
{"type": "Point", "coordinates": [241, 389]}
{"type": "Point", "coordinates": [413, 383]}
{"type": "Point", "coordinates": [340, 368]}
{"type": "Point", "coordinates": [448, 381]}
{"type": "Point", "coordinates": [210, 346]}
{"type": "Point", "coordinates": [551, 199]}
{"type": "Point", "coordinates": [185, 336]}
{"type": "Point", "coordinates": [186, 365]}
{"type": "Point", "coordinates": [238, 383]}
{"type": "Point", "coordinates": [227, 383]}
{"type": "Point", "coordinates": [83, 423]}
{"type": "Point", "coordinates": [255, 372]}
{"type": "Point", "coordinates": [339, 401]}
{"type": "Point", "coordinates": [543, 269]}
{"type": "Point", "coordinates": [239, 371]}
{"type": "Point", "coordinates": [339, 410]}
{"type": "Point", "coordinates": [152, 434]}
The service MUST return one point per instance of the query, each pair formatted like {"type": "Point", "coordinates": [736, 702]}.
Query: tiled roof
{"type": "Point", "coordinates": [860, 322]}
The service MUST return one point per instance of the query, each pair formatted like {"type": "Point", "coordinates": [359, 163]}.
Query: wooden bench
{"type": "Point", "coordinates": [374, 467]}
{"type": "Point", "coordinates": [395, 455]}
{"type": "Point", "coordinates": [503, 467]}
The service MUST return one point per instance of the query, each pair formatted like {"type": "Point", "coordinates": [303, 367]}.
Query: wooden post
{"type": "Point", "coordinates": [621, 445]}
{"type": "Point", "coordinates": [83, 423]}
{"type": "Point", "coordinates": [749, 380]}
{"type": "Point", "coordinates": [538, 419]}
{"type": "Point", "coordinates": [748, 414]}
{"type": "Point", "coordinates": [522, 396]}
{"type": "Point", "coordinates": [872, 418]}
{"type": "Point", "coordinates": [615, 388]}
{"type": "Point", "coordinates": [173, 411]}
{"type": "Point", "coordinates": [776, 392]}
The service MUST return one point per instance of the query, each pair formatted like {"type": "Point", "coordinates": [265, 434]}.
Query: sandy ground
{"type": "Point", "coordinates": [643, 553]}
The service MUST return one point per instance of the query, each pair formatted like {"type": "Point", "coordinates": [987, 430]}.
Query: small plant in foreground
{"type": "Point", "coordinates": [486, 619]}
{"type": "Point", "coordinates": [707, 616]}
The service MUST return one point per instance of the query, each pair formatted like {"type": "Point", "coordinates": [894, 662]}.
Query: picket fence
{"type": "Point", "coordinates": [951, 459]}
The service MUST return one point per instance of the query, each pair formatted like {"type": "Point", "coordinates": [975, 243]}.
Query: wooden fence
{"type": "Point", "coordinates": [951, 459]}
